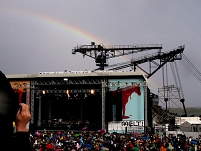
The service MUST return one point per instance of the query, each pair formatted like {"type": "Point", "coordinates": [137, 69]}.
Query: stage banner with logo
{"type": "Point", "coordinates": [132, 100]}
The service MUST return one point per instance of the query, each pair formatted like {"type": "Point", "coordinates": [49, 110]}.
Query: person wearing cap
{"type": "Point", "coordinates": [11, 110]}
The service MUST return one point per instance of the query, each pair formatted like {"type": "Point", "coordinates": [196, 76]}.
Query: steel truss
{"type": "Point", "coordinates": [145, 105]}
{"type": "Point", "coordinates": [171, 95]}
{"type": "Point", "coordinates": [56, 91]}
{"type": "Point", "coordinates": [104, 89]}
{"type": "Point", "coordinates": [36, 89]}
{"type": "Point", "coordinates": [32, 101]}
{"type": "Point", "coordinates": [102, 53]}
{"type": "Point", "coordinates": [65, 81]}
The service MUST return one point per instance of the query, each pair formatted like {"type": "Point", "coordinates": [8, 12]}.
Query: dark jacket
{"type": "Point", "coordinates": [21, 141]}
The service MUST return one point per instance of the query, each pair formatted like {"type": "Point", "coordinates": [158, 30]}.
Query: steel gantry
{"type": "Point", "coordinates": [102, 53]}
{"type": "Point", "coordinates": [156, 60]}
{"type": "Point", "coordinates": [159, 59]}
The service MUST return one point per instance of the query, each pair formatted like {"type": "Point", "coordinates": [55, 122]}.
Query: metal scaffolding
{"type": "Point", "coordinates": [104, 87]}
{"type": "Point", "coordinates": [37, 86]}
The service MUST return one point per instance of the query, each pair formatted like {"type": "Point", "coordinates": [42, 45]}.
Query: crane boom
{"type": "Point", "coordinates": [101, 53]}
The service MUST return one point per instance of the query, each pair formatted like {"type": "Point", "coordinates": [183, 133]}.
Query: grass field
{"type": "Point", "coordinates": [190, 111]}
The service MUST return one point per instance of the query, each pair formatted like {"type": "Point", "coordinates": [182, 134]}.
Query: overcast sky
{"type": "Point", "coordinates": [39, 35]}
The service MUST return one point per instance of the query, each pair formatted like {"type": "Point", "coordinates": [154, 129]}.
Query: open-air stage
{"type": "Point", "coordinates": [85, 100]}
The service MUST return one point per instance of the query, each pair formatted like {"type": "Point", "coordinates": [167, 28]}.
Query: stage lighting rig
{"type": "Point", "coordinates": [65, 79]}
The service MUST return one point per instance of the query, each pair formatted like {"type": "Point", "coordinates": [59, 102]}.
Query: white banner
{"type": "Point", "coordinates": [121, 125]}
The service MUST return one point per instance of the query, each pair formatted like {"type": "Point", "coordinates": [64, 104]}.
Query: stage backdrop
{"type": "Point", "coordinates": [132, 104]}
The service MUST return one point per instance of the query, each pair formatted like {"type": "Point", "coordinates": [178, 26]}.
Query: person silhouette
{"type": "Point", "coordinates": [11, 110]}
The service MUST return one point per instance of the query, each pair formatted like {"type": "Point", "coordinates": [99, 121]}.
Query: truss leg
{"type": "Point", "coordinates": [28, 100]}
{"type": "Point", "coordinates": [32, 102]}
{"type": "Point", "coordinates": [28, 95]}
{"type": "Point", "coordinates": [104, 86]}
{"type": "Point", "coordinates": [145, 106]}
{"type": "Point", "coordinates": [39, 111]}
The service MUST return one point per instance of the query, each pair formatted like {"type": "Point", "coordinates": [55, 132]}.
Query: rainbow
{"type": "Point", "coordinates": [53, 21]}
{"type": "Point", "coordinates": [58, 24]}
{"type": "Point", "coordinates": [63, 25]}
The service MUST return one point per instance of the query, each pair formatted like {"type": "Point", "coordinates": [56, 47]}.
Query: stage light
{"type": "Point", "coordinates": [92, 91]}
{"type": "Point", "coordinates": [43, 91]}
{"type": "Point", "coordinates": [65, 79]}
{"type": "Point", "coordinates": [67, 91]}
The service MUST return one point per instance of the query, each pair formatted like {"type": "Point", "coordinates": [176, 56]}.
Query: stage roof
{"type": "Point", "coordinates": [78, 74]}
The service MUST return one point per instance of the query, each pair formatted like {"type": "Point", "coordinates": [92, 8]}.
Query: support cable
{"type": "Point", "coordinates": [192, 65]}
{"type": "Point", "coordinates": [174, 75]}
{"type": "Point", "coordinates": [166, 75]}
{"type": "Point", "coordinates": [191, 68]}
{"type": "Point", "coordinates": [167, 82]}
{"type": "Point", "coordinates": [188, 68]}
{"type": "Point", "coordinates": [163, 81]}
{"type": "Point", "coordinates": [176, 78]}
{"type": "Point", "coordinates": [180, 86]}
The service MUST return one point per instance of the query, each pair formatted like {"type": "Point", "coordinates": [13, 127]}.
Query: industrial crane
{"type": "Point", "coordinates": [102, 53]}
{"type": "Point", "coordinates": [163, 57]}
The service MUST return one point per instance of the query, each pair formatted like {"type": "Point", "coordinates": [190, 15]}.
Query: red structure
{"type": "Point", "coordinates": [126, 93]}
{"type": "Point", "coordinates": [19, 94]}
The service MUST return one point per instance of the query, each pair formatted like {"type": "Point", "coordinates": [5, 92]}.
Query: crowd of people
{"type": "Point", "coordinates": [101, 140]}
